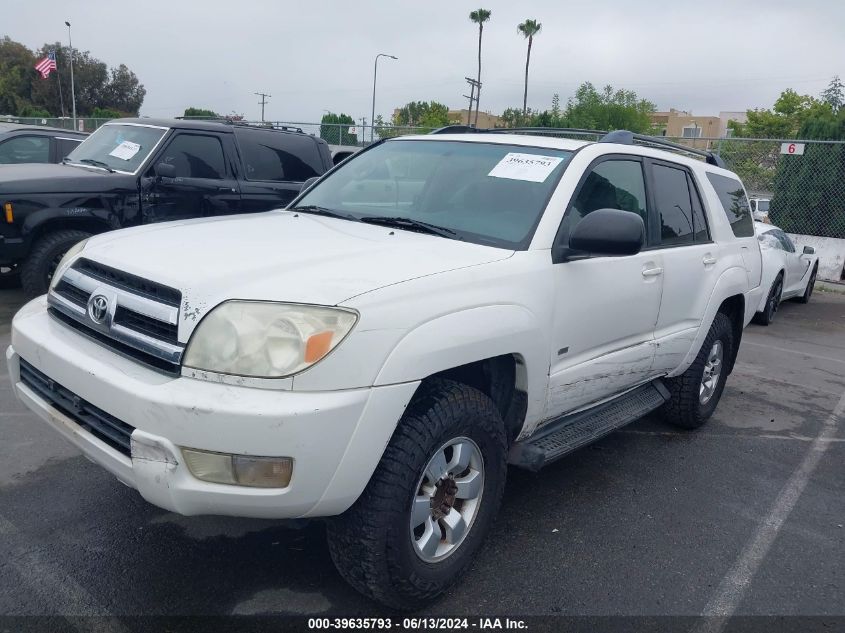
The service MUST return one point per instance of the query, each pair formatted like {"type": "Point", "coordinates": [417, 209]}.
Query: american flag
{"type": "Point", "coordinates": [47, 65]}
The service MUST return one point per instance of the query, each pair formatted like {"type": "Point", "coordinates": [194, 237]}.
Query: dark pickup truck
{"type": "Point", "coordinates": [138, 171]}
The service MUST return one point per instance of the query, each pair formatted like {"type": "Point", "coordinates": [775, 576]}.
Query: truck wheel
{"type": "Point", "coordinates": [772, 303]}
{"type": "Point", "coordinates": [808, 291]}
{"type": "Point", "coordinates": [10, 277]}
{"type": "Point", "coordinates": [37, 270]}
{"type": "Point", "coordinates": [430, 502]}
{"type": "Point", "coordinates": [696, 392]}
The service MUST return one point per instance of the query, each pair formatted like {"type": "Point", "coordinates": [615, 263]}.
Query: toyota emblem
{"type": "Point", "coordinates": [98, 308]}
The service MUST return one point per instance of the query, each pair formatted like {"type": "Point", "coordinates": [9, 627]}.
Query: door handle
{"type": "Point", "coordinates": [708, 260]}
{"type": "Point", "coordinates": [652, 272]}
{"type": "Point", "coordinates": [227, 189]}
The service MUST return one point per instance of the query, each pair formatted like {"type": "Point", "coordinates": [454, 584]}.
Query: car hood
{"type": "Point", "coordinates": [49, 178]}
{"type": "Point", "coordinates": [279, 256]}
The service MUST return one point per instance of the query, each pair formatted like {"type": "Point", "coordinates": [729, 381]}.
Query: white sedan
{"type": "Point", "coordinates": [787, 273]}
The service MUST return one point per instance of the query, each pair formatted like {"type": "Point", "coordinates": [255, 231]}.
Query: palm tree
{"type": "Point", "coordinates": [529, 29]}
{"type": "Point", "coordinates": [479, 16]}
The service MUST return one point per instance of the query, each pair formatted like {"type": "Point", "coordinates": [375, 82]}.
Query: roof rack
{"type": "Point", "coordinates": [622, 137]}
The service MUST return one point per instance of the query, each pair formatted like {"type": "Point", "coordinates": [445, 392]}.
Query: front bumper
{"type": "Point", "coordinates": [12, 250]}
{"type": "Point", "coordinates": [335, 438]}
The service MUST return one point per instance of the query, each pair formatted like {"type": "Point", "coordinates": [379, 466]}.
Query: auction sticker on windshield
{"type": "Point", "coordinates": [531, 167]}
{"type": "Point", "coordinates": [126, 150]}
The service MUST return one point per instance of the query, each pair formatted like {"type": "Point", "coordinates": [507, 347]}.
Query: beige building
{"type": "Point", "coordinates": [681, 124]}
{"type": "Point", "coordinates": [485, 119]}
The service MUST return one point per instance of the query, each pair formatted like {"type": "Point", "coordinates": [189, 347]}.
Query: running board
{"type": "Point", "coordinates": [570, 432]}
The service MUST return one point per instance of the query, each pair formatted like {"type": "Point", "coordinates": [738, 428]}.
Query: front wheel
{"type": "Point", "coordinates": [696, 392]}
{"type": "Point", "coordinates": [808, 291]}
{"type": "Point", "coordinates": [431, 501]}
{"type": "Point", "coordinates": [38, 268]}
{"type": "Point", "coordinates": [772, 303]}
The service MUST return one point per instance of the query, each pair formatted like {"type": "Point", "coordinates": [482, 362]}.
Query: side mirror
{"type": "Point", "coordinates": [809, 250]}
{"type": "Point", "coordinates": [307, 184]}
{"type": "Point", "coordinates": [608, 232]}
{"type": "Point", "coordinates": [165, 170]}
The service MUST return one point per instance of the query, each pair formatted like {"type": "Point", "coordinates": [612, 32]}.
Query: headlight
{"type": "Point", "coordinates": [72, 252]}
{"type": "Point", "coordinates": [266, 340]}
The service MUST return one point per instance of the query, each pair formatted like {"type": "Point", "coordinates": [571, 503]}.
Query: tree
{"type": "Point", "coordinates": [430, 114]}
{"type": "Point", "coordinates": [834, 94]}
{"type": "Point", "coordinates": [17, 71]}
{"type": "Point", "coordinates": [608, 110]}
{"type": "Point", "coordinates": [123, 92]}
{"type": "Point", "coordinates": [479, 16]}
{"type": "Point", "coordinates": [334, 129]}
{"type": "Point", "coordinates": [784, 119]}
{"type": "Point", "coordinates": [529, 29]}
{"type": "Point", "coordinates": [200, 113]}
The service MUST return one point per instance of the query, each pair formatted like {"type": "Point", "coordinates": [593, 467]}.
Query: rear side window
{"type": "Point", "coordinates": [278, 156]}
{"type": "Point", "coordinates": [674, 205]}
{"type": "Point", "coordinates": [25, 149]}
{"type": "Point", "coordinates": [734, 203]}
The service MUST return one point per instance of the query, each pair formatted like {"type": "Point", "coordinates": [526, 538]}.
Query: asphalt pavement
{"type": "Point", "coordinates": [744, 516]}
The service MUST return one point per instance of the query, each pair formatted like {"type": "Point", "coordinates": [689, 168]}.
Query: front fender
{"type": "Point", "coordinates": [471, 335]}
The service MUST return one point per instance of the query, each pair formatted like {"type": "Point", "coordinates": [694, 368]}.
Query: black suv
{"type": "Point", "coordinates": [36, 143]}
{"type": "Point", "coordinates": [139, 171]}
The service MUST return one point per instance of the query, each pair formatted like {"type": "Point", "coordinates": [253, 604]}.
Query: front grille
{"type": "Point", "coordinates": [100, 424]}
{"type": "Point", "coordinates": [135, 317]}
{"type": "Point", "coordinates": [147, 325]}
{"type": "Point", "coordinates": [132, 283]}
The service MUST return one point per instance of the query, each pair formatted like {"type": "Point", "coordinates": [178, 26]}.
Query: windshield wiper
{"type": "Point", "coordinates": [329, 213]}
{"type": "Point", "coordinates": [97, 163]}
{"type": "Point", "coordinates": [411, 225]}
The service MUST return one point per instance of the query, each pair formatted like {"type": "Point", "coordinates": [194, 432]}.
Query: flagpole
{"type": "Point", "coordinates": [59, 79]}
{"type": "Point", "coordinates": [72, 91]}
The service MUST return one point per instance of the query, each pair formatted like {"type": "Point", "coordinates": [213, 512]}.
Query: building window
{"type": "Point", "coordinates": [692, 131]}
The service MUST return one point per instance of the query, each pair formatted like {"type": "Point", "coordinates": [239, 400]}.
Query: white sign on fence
{"type": "Point", "coordinates": [792, 148]}
{"type": "Point", "coordinates": [353, 130]}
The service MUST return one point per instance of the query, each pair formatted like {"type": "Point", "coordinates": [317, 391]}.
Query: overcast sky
{"type": "Point", "coordinates": [318, 55]}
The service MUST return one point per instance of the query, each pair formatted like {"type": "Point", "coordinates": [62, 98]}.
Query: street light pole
{"type": "Point", "coordinates": [72, 89]}
{"type": "Point", "coordinates": [375, 74]}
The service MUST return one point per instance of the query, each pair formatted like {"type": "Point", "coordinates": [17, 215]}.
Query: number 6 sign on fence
{"type": "Point", "coordinates": [792, 148]}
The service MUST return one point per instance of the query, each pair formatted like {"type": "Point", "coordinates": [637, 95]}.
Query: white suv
{"type": "Point", "coordinates": [432, 309]}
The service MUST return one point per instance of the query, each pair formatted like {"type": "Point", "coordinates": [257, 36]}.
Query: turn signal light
{"type": "Point", "coordinates": [239, 470]}
{"type": "Point", "coordinates": [10, 216]}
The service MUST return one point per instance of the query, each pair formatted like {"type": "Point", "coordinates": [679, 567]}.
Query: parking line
{"type": "Point", "coordinates": [733, 436]}
{"type": "Point", "coordinates": [795, 351]}
{"type": "Point", "coordinates": [58, 589]}
{"type": "Point", "coordinates": [732, 589]}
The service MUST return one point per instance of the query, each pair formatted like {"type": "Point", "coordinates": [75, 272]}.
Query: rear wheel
{"type": "Point", "coordinates": [37, 270]}
{"type": "Point", "coordinates": [696, 392]}
{"type": "Point", "coordinates": [772, 303]}
{"type": "Point", "coordinates": [808, 291]}
{"type": "Point", "coordinates": [431, 501]}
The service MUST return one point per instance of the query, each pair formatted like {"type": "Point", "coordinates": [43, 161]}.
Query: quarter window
{"type": "Point", "coordinates": [674, 206]}
{"type": "Point", "coordinates": [612, 184]}
{"type": "Point", "coordinates": [196, 156]}
{"type": "Point", "coordinates": [25, 149]}
{"type": "Point", "coordinates": [278, 156]}
{"type": "Point", "coordinates": [734, 204]}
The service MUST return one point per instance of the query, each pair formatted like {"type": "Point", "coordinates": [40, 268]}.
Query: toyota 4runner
{"type": "Point", "coordinates": [431, 310]}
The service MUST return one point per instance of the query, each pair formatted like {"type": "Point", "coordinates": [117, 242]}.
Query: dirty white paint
{"type": "Point", "coordinates": [831, 252]}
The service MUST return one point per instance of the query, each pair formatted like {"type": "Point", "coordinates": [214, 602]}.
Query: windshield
{"type": "Point", "coordinates": [479, 192]}
{"type": "Point", "coordinates": [763, 206]}
{"type": "Point", "coordinates": [118, 147]}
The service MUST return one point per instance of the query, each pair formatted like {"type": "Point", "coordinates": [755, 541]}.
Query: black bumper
{"type": "Point", "coordinates": [12, 249]}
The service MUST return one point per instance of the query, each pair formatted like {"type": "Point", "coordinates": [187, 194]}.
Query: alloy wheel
{"type": "Point", "coordinates": [712, 371]}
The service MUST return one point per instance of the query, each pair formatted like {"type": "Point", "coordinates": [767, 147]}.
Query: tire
{"type": "Point", "coordinates": [772, 303]}
{"type": "Point", "coordinates": [808, 291]}
{"type": "Point", "coordinates": [10, 277]}
{"type": "Point", "coordinates": [373, 544]}
{"type": "Point", "coordinates": [687, 408]}
{"type": "Point", "coordinates": [48, 250]}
